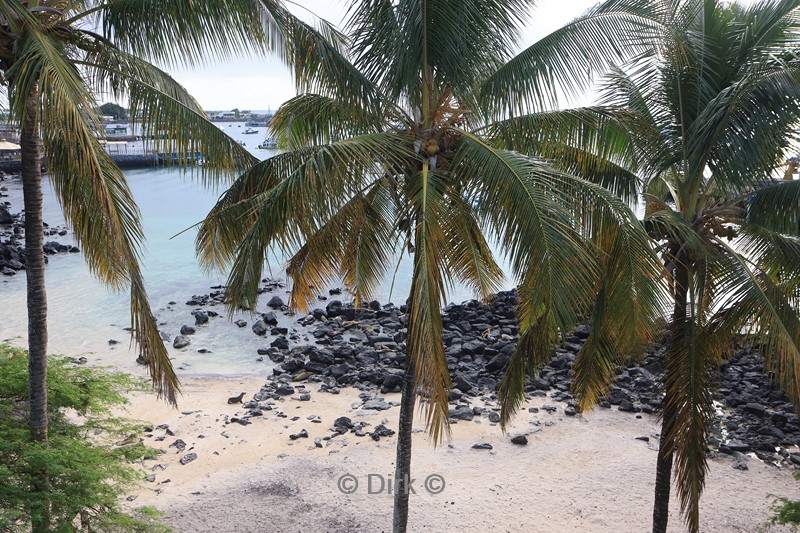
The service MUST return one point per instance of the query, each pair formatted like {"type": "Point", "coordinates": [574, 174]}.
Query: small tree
{"type": "Point", "coordinates": [86, 472]}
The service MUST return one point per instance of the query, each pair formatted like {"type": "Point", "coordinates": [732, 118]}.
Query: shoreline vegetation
{"type": "Point", "coordinates": [88, 472]}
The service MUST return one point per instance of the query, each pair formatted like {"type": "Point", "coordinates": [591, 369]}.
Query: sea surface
{"type": "Point", "coordinates": [84, 315]}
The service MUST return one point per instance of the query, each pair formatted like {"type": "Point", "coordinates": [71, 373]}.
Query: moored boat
{"type": "Point", "coordinates": [268, 144]}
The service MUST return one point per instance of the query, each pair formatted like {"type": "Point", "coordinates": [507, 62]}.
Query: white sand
{"type": "Point", "coordinates": [577, 474]}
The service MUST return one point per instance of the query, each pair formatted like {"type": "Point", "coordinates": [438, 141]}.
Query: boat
{"type": "Point", "coordinates": [268, 144]}
{"type": "Point", "coordinates": [249, 131]}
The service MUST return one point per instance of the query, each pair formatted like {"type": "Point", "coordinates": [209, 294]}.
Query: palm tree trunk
{"type": "Point", "coordinates": [31, 148]}
{"type": "Point", "coordinates": [663, 479]}
{"type": "Point", "coordinates": [666, 446]}
{"type": "Point", "coordinates": [402, 472]}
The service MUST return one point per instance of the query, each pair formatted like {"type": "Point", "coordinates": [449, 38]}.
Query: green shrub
{"type": "Point", "coordinates": [86, 473]}
{"type": "Point", "coordinates": [787, 512]}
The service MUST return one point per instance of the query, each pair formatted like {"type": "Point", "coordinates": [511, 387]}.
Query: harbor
{"type": "Point", "coordinates": [129, 149]}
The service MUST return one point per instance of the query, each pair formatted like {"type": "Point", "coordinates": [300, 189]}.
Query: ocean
{"type": "Point", "coordinates": [83, 315]}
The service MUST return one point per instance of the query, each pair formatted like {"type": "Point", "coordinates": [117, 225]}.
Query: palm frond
{"type": "Point", "coordinates": [760, 305]}
{"type": "Point", "coordinates": [458, 41]}
{"type": "Point", "coordinates": [775, 254]}
{"type": "Point", "coordinates": [18, 18]}
{"type": "Point", "coordinates": [776, 207]}
{"type": "Point", "coordinates": [311, 119]}
{"type": "Point", "coordinates": [669, 224]}
{"type": "Point", "coordinates": [370, 246]}
{"type": "Point", "coordinates": [144, 330]}
{"type": "Point", "coordinates": [353, 246]}
{"type": "Point", "coordinates": [519, 199]}
{"type": "Point", "coordinates": [180, 130]}
{"type": "Point", "coordinates": [425, 347]}
{"type": "Point", "coordinates": [629, 302]}
{"type": "Point", "coordinates": [616, 29]}
{"type": "Point", "coordinates": [648, 121]}
{"type": "Point", "coordinates": [772, 30]}
{"type": "Point", "coordinates": [468, 257]}
{"type": "Point", "coordinates": [283, 200]}
{"type": "Point", "coordinates": [742, 161]}
{"type": "Point", "coordinates": [695, 353]}
{"type": "Point", "coordinates": [227, 222]}
{"type": "Point", "coordinates": [534, 349]}
{"type": "Point", "coordinates": [171, 119]}
{"type": "Point", "coordinates": [103, 215]}
{"type": "Point", "coordinates": [376, 31]}
{"type": "Point", "coordinates": [589, 142]}
{"type": "Point", "coordinates": [595, 364]}
{"type": "Point", "coordinates": [320, 65]}
{"type": "Point", "coordinates": [211, 28]}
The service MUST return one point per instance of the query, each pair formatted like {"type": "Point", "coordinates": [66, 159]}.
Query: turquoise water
{"type": "Point", "coordinates": [84, 315]}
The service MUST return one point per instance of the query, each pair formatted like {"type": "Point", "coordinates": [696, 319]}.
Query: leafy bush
{"type": "Point", "coordinates": [787, 512]}
{"type": "Point", "coordinates": [86, 472]}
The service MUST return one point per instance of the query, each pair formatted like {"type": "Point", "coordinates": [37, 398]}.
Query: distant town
{"type": "Point", "coordinates": [115, 120]}
{"type": "Point", "coordinates": [122, 137]}
{"type": "Point", "coordinates": [111, 112]}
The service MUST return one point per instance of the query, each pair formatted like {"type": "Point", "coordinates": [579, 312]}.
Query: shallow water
{"type": "Point", "coordinates": [84, 315]}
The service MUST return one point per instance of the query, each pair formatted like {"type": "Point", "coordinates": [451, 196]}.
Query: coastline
{"type": "Point", "coordinates": [579, 474]}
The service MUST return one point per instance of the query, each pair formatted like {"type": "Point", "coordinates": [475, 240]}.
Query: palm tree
{"type": "Point", "coordinates": [56, 58]}
{"type": "Point", "coordinates": [385, 154]}
{"type": "Point", "coordinates": [708, 118]}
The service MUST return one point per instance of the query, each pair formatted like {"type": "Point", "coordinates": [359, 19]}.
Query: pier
{"type": "Point", "coordinates": [137, 160]}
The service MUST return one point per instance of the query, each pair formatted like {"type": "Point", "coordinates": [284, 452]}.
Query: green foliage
{"type": "Point", "coordinates": [394, 148]}
{"type": "Point", "coordinates": [138, 452]}
{"type": "Point", "coordinates": [725, 229]}
{"type": "Point", "coordinates": [787, 512]}
{"type": "Point", "coordinates": [86, 474]}
{"type": "Point", "coordinates": [114, 110]}
{"type": "Point", "coordinates": [52, 63]}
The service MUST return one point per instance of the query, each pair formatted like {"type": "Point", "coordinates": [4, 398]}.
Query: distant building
{"type": "Point", "coordinates": [9, 133]}
{"type": "Point", "coordinates": [116, 129]}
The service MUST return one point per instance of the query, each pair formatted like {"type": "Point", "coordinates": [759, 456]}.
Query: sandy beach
{"type": "Point", "coordinates": [576, 474]}
{"type": "Point", "coordinates": [587, 473]}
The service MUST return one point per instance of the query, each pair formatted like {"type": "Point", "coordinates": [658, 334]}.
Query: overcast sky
{"type": "Point", "coordinates": [266, 83]}
{"type": "Point", "coordinates": [257, 84]}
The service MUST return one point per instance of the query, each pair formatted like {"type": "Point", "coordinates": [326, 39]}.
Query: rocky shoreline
{"type": "Point", "coordinates": [12, 236]}
{"type": "Point", "coordinates": [340, 346]}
